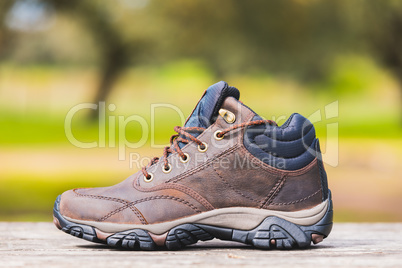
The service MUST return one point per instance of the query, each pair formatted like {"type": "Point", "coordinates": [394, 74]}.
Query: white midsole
{"type": "Point", "coordinates": [242, 218]}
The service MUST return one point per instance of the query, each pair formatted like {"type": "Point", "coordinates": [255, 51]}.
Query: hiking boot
{"type": "Point", "coordinates": [227, 174]}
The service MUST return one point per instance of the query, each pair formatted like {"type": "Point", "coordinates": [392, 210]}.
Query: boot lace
{"type": "Point", "coordinates": [184, 136]}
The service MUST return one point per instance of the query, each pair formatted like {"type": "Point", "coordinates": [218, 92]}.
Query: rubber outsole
{"type": "Point", "coordinates": [272, 233]}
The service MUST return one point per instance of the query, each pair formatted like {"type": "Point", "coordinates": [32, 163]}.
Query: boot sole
{"type": "Point", "coordinates": [272, 233]}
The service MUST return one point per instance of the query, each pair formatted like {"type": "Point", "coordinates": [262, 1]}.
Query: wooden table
{"type": "Point", "coordinates": [349, 245]}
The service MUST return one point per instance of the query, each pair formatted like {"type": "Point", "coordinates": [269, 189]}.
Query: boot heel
{"type": "Point", "coordinates": [278, 233]}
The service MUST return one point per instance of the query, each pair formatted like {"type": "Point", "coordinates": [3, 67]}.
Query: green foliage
{"type": "Point", "coordinates": [293, 37]}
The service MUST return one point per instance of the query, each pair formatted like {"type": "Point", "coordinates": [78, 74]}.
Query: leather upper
{"type": "Point", "coordinates": [226, 175]}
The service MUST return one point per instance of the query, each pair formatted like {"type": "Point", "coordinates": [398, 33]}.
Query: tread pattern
{"type": "Point", "coordinates": [186, 234]}
{"type": "Point", "coordinates": [133, 239]}
{"type": "Point", "coordinates": [272, 233]}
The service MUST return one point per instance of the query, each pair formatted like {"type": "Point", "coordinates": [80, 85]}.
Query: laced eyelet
{"type": "Point", "coordinates": [216, 135]}
{"type": "Point", "coordinates": [149, 178]}
{"type": "Point", "coordinates": [202, 150]}
{"type": "Point", "coordinates": [186, 159]}
{"type": "Point", "coordinates": [166, 170]}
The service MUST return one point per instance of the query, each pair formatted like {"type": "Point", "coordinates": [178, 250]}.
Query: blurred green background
{"type": "Point", "coordinates": [284, 56]}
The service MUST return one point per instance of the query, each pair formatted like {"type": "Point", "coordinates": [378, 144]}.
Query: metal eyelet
{"type": "Point", "coordinates": [227, 115]}
{"type": "Point", "coordinates": [186, 159]}
{"type": "Point", "coordinates": [149, 178]}
{"type": "Point", "coordinates": [205, 147]}
{"type": "Point", "coordinates": [216, 135]}
{"type": "Point", "coordinates": [166, 170]}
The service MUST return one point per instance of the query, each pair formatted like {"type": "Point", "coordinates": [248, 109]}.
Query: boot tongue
{"type": "Point", "coordinates": [207, 109]}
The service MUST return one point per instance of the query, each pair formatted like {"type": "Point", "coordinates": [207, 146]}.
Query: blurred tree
{"type": "Point", "coordinates": [384, 31]}
{"type": "Point", "coordinates": [114, 51]}
{"type": "Point", "coordinates": [4, 31]}
{"type": "Point", "coordinates": [292, 37]}
{"type": "Point", "coordinates": [295, 37]}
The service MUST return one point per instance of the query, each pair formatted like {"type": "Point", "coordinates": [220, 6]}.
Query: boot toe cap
{"type": "Point", "coordinates": [77, 204]}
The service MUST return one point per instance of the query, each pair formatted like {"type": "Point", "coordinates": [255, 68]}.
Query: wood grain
{"type": "Point", "coordinates": [349, 245]}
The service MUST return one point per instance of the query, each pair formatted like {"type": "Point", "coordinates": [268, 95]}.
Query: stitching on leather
{"type": "Point", "coordinates": [202, 166]}
{"type": "Point", "coordinates": [138, 214]}
{"type": "Point", "coordinates": [121, 201]}
{"type": "Point", "coordinates": [283, 157]}
{"type": "Point", "coordinates": [259, 162]}
{"type": "Point", "coordinates": [275, 170]}
{"type": "Point", "coordinates": [297, 201]}
{"type": "Point", "coordinates": [178, 187]}
{"type": "Point", "coordinates": [268, 167]}
{"type": "Point", "coordinates": [133, 208]}
{"type": "Point", "coordinates": [102, 197]}
{"type": "Point", "coordinates": [149, 199]}
{"type": "Point", "coordinates": [274, 191]}
{"type": "Point", "coordinates": [233, 188]}
{"type": "Point", "coordinates": [112, 213]}
{"type": "Point", "coordinates": [284, 140]}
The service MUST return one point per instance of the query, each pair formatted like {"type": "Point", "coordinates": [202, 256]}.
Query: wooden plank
{"type": "Point", "coordinates": [349, 245]}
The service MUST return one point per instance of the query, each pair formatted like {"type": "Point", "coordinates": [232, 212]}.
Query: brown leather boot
{"type": "Point", "coordinates": [228, 174]}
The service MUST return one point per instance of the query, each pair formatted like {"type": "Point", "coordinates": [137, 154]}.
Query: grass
{"type": "Point", "coordinates": [30, 197]}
